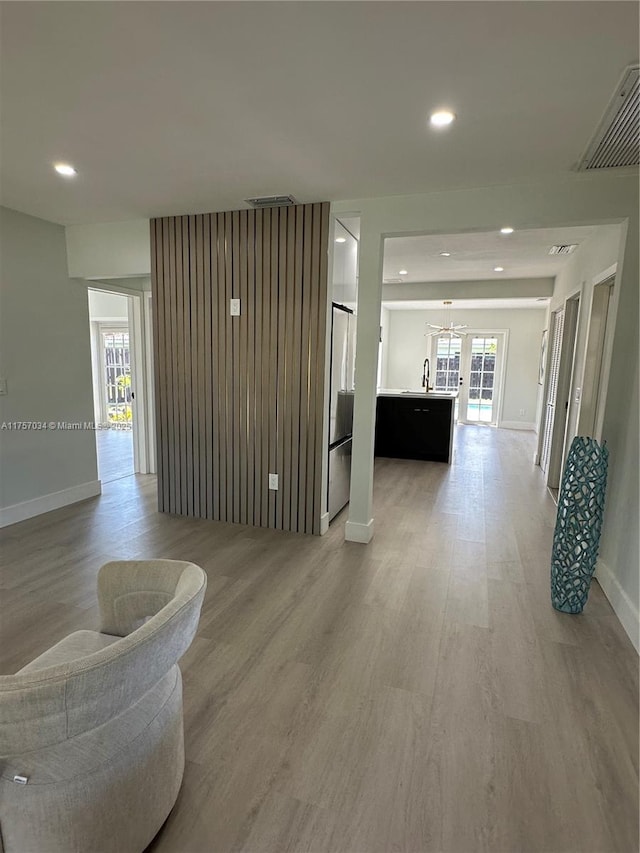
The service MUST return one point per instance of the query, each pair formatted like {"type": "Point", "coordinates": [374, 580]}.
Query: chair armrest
{"type": "Point", "coordinates": [132, 591]}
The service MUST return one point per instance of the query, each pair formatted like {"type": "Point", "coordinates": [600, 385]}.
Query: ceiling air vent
{"type": "Point", "coordinates": [271, 201]}
{"type": "Point", "coordinates": [563, 249]}
{"type": "Point", "coordinates": [616, 142]}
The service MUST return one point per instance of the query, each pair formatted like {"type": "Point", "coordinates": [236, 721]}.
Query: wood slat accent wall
{"type": "Point", "coordinates": [238, 398]}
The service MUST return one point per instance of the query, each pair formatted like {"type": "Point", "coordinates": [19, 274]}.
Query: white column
{"type": "Point", "coordinates": [359, 527]}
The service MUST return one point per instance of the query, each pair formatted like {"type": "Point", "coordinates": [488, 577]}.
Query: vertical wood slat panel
{"type": "Point", "coordinates": [174, 385]}
{"type": "Point", "coordinates": [187, 440]}
{"type": "Point", "coordinates": [241, 379]}
{"type": "Point", "coordinates": [208, 385]}
{"type": "Point", "coordinates": [312, 308]}
{"type": "Point", "coordinates": [235, 443]}
{"type": "Point", "coordinates": [304, 372]}
{"type": "Point", "coordinates": [281, 393]}
{"type": "Point", "coordinates": [240, 397]}
{"type": "Point", "coordinates": [215, 373]}
{"type": "Point", "coordinates": [266, 345]}
{"type": "Point", "coordinates": [250, 346]}
{"type": "Point", "coordinates": [228, 486]}
{"type": "Point", "coordinates": [198, 355]}
{"type": "Point", "coordinates": [192, 366]}
{"type": "Point", "coordinates": [318, 380]}
{"type": "Point", "coordinates": [222, 361]}
{"type": "Point", "coordinates": [289, 358]}
{"type": "Point", "coordinates": [273, 366]}
{"type": "Point", "coordinates": [157, 311]}
{"type": "Point", "coordinates": [259, 291]}
{"type": "Point", "coordinates": [297, 370]}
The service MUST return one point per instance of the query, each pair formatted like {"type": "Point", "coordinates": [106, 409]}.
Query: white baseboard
{"type": "Point", "coordinates": [55, 500]}
{"type": "Point", "coordinates": [625, 609]}
{"type": "Point", "coordinates": [355, 532]}
{"type": "Point", "coordinates": [531, 426]}
{"type": "Point", "coordinates": [324, 523]}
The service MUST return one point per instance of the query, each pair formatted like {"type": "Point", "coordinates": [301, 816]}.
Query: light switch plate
{"type": "Point", "coordinates": [273, 482]}
{"type": "Point", "coordinates": [3, 388]}
{"type": "Point", "coordinates": [234, 307]}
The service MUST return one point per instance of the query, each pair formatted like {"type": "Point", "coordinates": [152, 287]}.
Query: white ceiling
{"type": "Point", "coordinates": [523, 254]}
{"type": "Point", "coordinates": [169, 108]}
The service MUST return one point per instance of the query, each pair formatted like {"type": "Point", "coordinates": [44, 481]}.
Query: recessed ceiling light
{"type": "Point", "coordinates": [65, 169]}
{"type": "Point", "coordinates": [506, 230]}
{"type": "Point", "coordinates": [441, 118]}
{"type": "Point", "coordinates": [445, 254]}
{"type": "Point", "coordinates": [403, 272]}
{"type": "Point", "coordinates": [341, 239]}
{"type": "Point", "coordinates": [498, 269]}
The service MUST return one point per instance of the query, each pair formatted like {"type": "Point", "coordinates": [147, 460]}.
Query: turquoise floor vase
{"type": "Point", "coordinates": [578, 524]}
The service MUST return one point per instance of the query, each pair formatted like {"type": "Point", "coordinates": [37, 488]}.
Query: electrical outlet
{"type": "Point", "coordinates": [273, 482]}
{"type": "Point", "coordinates": [234, 307]}
{"type": "Point", "coordinates": [523, 412]}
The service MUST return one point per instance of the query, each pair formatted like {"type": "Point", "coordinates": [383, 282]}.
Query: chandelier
{"type": "Point", "coordinates": [454, 330]}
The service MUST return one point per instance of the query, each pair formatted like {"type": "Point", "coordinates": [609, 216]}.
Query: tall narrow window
{"type": "Point", "coordinates": [447, 376]}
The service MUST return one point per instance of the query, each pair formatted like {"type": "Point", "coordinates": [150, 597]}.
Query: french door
{"type": "Point", "coordinates": [471, 365]}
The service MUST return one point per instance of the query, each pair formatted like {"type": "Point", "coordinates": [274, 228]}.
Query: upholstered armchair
{"type": "Point", "coordinates": [91, 732]}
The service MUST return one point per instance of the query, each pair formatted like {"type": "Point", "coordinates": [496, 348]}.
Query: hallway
{"type": "Point", "coordinates": [416, 694]}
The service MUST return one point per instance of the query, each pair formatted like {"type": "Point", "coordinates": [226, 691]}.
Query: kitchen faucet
{"type": "Point", "coordinates": [425, 375]}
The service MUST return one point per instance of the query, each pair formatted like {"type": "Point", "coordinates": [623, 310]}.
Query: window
{"type": "Point", "coordinates": [448, 351]}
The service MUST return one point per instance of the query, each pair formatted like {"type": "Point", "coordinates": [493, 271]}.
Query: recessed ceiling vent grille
{"type": "Point", "coordinates": [271, 201]}
{"type": "Point", "coordinates": [616, 142]}
{"type": "Point", "coordinates": [563, 249]}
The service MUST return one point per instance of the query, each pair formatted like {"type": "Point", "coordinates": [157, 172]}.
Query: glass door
{"type": "Point", "coordinates": [470, 364]}
{"type": "Point", "coordinates": [479, 393]}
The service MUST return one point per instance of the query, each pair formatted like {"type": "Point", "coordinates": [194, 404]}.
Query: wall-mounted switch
{"type": "Point", "coordinates": [273, 482]}
{"type": "Point", "coordinates": [3, 388]}
{"type": "Point", "coordinates": [234, 307]}
{"type": "Point", "coordinates": [578, 395]}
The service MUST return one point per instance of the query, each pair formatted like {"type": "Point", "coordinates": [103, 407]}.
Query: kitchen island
{"type": "Point", "coordinates": [415, 425]}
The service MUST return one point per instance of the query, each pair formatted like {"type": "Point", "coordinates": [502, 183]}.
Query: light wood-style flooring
{"type": "Point", "coordinates": [115, 454]}
{"type": "Point", "coordinates": [417, 694]}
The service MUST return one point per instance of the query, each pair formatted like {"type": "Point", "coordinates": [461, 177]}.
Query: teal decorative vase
{"type": "Point", "coordinates": [578, 524]}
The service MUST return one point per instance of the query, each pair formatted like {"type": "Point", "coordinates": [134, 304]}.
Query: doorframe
{"type": "Point", "coordinates": [572, 306]}
{"type": "Point", "coordinates": [607, 348]}
{"type": "Point", "coordinates": [140, 344]}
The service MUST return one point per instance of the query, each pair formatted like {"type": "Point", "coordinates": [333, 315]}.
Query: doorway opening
{"type": "Point", "coordinates": [112, 390]}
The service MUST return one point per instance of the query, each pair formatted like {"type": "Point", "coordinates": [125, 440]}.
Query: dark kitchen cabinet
{"type": "Point", "coordinates": [415, 426]}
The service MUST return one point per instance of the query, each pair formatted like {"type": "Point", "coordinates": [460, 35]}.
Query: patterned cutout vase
{"type": "Point", "coordinates": [578, 524]}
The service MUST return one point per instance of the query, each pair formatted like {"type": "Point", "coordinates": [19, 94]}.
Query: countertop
{"type": "Point", "coordinates": [431, 395]}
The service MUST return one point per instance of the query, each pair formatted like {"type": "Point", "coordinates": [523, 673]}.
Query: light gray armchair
{"type": "Point", "coordinates": [91, 732]}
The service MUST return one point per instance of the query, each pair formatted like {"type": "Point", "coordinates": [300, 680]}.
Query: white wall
{"type": "Point", "coordinates": [407, 348]}
{"type": "Point", "coordinates": [619, 554]}
{"type": "Point", "coordinates": [46, 360]}
{"type": "Point", "coordinates": [109, 250]}
{"type": "Point", "coordinates": [599, 199]}
{"type": "Point", "coordinates": [107, 307]}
